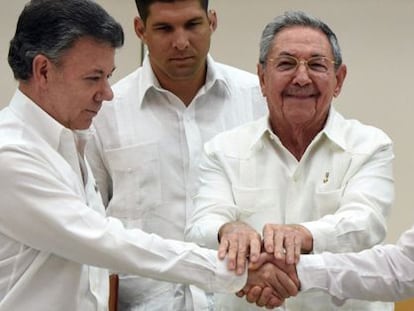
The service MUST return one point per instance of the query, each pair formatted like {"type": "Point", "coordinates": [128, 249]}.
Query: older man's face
{"type": "Point", "coordinates": [300, 95]}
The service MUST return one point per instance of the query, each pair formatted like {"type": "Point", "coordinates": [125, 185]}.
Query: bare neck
{"type": "Point", "coordinates": [185, 90]}
{"type": "Point", "coordinates": [296, 138]}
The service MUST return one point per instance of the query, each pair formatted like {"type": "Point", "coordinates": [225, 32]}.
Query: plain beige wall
{"type": "Point", "coordinates": [378, 48]}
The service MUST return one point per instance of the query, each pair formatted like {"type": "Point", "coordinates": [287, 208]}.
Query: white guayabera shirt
{"type": "Point", "coordinates": [146, 157]}
{"type": "Point", "coordinates": [54, 235]}
{"type": "Point", "coordinates": [341, 190]}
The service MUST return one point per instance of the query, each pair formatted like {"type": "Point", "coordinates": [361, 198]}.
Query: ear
{"type": "Point", "coordinates": [212, 19]}
{"type": "Point", "coordinates": [41, 66]}
{"type": "Point", "coordinates": [261, 74]}
{"type": "Point", "coordinates": [340, 78]}
{"type": "Point", "coordinates": [139, 27]}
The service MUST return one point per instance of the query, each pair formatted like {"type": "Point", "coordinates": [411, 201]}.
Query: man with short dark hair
{"type": "Point", "coordinates": [150, 136]}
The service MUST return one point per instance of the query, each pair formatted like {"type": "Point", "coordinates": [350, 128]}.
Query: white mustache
{"type": "Point", "coordinates": [300, 91]}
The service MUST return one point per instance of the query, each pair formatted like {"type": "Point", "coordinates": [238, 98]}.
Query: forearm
{"type": "Point", "coordinates": [383, 273]}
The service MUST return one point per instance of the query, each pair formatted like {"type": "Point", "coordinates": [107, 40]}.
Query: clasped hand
{"type": "Point", "coordinates": [271, 262]}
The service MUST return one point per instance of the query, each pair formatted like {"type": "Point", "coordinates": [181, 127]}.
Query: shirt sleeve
{"type": "Point", "coordinates": [214, 203]}
{"type": "Point", "coordinates": [383, 273]}
{"type": "Point", "coordinates": [41, 210]}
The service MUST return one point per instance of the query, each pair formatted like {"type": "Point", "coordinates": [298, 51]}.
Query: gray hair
{"type": "Point", "coordinates": [296, 18]}
{"type": "Point", "coordinates": [51, 27]}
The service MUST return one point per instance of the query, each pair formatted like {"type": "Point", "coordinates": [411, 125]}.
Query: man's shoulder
{"type": "Point", "coordinates": [241, 137]}
{"type": "Point", "coordinates": [234, 75]}
{"type": "Point", "coordinates": [19, 142]}
{"type": "Point", "coordinates": [13, 129]}
{"type": "Point", "coordinates": [124, 90]}
{"type": "Point", "coordinates": [127, 81]}
{"type": "Point", "coordinates": [359, 135]}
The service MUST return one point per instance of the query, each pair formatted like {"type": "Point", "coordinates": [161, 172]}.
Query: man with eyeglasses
{"type": "Point", "coordinates": [301, 180]}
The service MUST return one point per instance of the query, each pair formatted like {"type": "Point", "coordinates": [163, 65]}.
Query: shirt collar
{"type": "Point", "coordinates": [215, 76]}
{"type": "Point", "coordinates": [262, 128]}
{"type": "Point", "coordinates": [42, 123]}
{"type": "Point", "coordinates": [148, 81]}
{"type": "Point", "coordinates": [333, 129]}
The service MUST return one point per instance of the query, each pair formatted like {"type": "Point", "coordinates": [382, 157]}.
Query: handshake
{"type": "Point", "coordinates": [271, 261]}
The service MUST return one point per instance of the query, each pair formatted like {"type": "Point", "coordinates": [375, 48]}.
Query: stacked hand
{"type": "Point", "coordinates": [271, 271]}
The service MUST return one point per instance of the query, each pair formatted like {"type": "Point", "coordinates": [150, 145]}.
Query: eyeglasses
{"type": "Point", "coordinates": [289, 64]}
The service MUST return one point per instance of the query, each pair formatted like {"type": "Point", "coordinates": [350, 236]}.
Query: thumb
{"type": "Point", "coordinates": [263, 258]}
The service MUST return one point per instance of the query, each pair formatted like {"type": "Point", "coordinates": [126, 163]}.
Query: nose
{"type": "Point", "coordinates": [181, 41]}
{"type": "Point", "coordinates": [301, 76]}
{"type": "Point", "coordinates": [105, 93]}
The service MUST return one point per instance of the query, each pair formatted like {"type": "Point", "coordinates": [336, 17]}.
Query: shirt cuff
{"type": "Point", "coordinates": [314, 275]}
{"type": "Point", "coordinates": [323, 236]}
{"type": "Point", "coordinates": [311, 272]}
{"type": "Point", "coordinates": [229, 280]}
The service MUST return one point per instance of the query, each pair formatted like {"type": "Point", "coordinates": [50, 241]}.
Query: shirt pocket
{"type": "Point", "coordinates": [327, 201]}
{"type": "Point", "coordinates": [136, 181]}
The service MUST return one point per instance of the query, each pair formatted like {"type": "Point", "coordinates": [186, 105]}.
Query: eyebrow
{"type": "Point", "coordinates": [191, 20]}
{"type": "Point", "coordinates": [285, 53]}
{"type": "Point", "coordinates": [101, 72]}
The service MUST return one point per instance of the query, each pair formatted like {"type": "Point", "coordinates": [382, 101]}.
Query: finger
{"type": "Point", "coordinates": [255, 248]}
{"type": "Point", "coordinates": [264, 297]}
{"type": "Point", "coordinates": [290, 248]}
{"type": "Point", "coordinates": [298, 248]}
{"type": "Point", "coordinates": [232, 254]}
{"type": "Point", "coordinates": [262, 259]}
{"type": "Point", "coordinates": [268, 238]}
{"type": "Point", "coordinates": [287, 287]}
{"type": "Point", "coordinates": [278, 287]}
{"type": "Point", "coordinates": [253, 294]}
{"type": "Point", "coordinates": [240, 293]}
{"type": "Point", "coordinates": [274, 302]}
{"type": "Point", "coordinates": [292, 274]}
{"type": "Point", "coordinates": [241, 256]}
{"type": "Point", "coordinates": [279, 249]}
{"type": "Point", "coordinates": [223, 248]}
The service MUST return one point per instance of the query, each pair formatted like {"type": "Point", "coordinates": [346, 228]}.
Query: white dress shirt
{"type": "Point", "coordinates": [53, 232]}
{"type": "Point", "coordinates": [385, 272]}
{"type": "Point", "coordinates": [146, 158]}
{"type": "Point", "coordinates": [341, 191]}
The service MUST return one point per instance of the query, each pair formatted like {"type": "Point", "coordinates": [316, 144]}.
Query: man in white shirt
{"type": "Point", "coordinates": [56, 243]}
{"type": "Point", "coordinates": [304, 177]}
{"type": "Point", "coordinates": [384, 273]}
{"type": "Point", "coordinates": [150, 136]}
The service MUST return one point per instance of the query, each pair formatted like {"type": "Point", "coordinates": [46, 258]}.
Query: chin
{"type": "Point", "coordinates": [83, 126]}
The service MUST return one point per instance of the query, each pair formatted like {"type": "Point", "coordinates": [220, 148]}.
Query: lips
{"type": "Point", "coordinates": [181, 58]}
{"type": "Point", "coordinates": [300, 95]}
{"type": "Point", "coordinates": [95, 109]}
{"type": "Point", "coordinates": [303, 92]}
{"type": "Point", "coordinates": [92, 111]}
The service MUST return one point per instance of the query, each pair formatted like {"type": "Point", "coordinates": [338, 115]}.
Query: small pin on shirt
{"type": "Point", "coordinates": [326, 178]}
